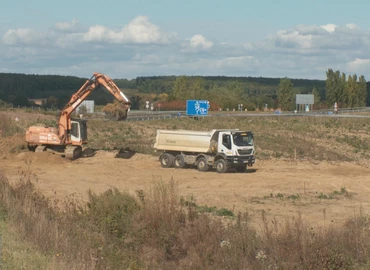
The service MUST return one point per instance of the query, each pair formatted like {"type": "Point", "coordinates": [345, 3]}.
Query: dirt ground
{"type": "Point", "coordinates": [280, 188]}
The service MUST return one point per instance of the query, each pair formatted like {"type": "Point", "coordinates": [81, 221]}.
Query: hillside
{"type": "Point", "coordinates": [16, 88]}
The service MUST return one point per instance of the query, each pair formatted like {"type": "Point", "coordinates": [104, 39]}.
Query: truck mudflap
{"type": "Point", "coordinates": [237, 161]}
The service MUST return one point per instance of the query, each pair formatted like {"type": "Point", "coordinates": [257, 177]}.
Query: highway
{"type": "Point", "coordinates": [363, 112]}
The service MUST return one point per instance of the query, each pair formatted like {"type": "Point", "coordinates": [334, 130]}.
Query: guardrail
{"type": "Point", "coordinates": [135, 116]}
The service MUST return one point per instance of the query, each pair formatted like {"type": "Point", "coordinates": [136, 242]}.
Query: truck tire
{"type": "Point", "coordinates": [221, 166]}
{"type": "Point", "coordinates": [202, 165]}
{"type": "Point", "coordinates": [179, 162]}
{"type": "Point", "coordinates": [167, 160]}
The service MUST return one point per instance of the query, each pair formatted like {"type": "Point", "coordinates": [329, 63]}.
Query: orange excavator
{"type": "Point", "coordinates": [71, 134]}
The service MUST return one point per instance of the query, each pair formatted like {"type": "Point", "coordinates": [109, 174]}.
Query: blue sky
{"type": "Point", "coordinates": [126, 39]}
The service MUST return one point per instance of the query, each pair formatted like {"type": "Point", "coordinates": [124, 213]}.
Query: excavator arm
{"type": "Point", "coordinates": [90, 85]}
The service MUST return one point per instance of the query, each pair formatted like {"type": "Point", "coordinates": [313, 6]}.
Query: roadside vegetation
{"type": "Point", "coordinates": [157, 229]}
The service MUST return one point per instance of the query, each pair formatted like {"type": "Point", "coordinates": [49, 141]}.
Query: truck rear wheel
{"type": "Point", "coordinates": [202, 165]}
{"type": "Point", "coordinates": [179, 162]}
{"type": "Point", "coordinates": [221, 166]}
{"type": "Point", "coordinates": [167, 160]}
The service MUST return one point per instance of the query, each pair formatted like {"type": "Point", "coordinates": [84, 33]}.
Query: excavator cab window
{"type": "Point", "coordinates": [75, 131]}
{"type": "Point", "coordinates": [83, 130]}
{"type": "Point", "coordinates": [79, 129]}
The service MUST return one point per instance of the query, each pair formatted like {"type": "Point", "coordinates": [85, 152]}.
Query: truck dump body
{"type": "Point", "coordinates": [183, 140]}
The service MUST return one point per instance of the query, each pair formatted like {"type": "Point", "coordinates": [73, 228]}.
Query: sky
{"type": "Point", "coordinates": [131, 38]}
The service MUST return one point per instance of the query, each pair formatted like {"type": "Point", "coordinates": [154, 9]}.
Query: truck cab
{"type": "Point", "coordinates": [237, 148]}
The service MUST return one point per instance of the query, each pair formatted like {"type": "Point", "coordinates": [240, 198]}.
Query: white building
{"type": "Point", "coordinates": [89, 104]}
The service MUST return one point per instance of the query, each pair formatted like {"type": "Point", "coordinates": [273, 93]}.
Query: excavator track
{"type": "Point", "coordinates": [40, 148]}
{"type": "Point", "coordinates": [73, 152]}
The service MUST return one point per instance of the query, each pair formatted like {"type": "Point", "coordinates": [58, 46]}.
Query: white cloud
{"type": "Point", "coordinates": [22, 36]}
{"type": "Point", "coordinates": [140, 30]}
{"type": "Point", "coordinates": [329, 27]}
{"type": "Point", "coordinates": [198, 41]}
{"type": "Point", "coordinates": [142, 48]}
{"type": "Point", "coordinates": [359, 65]}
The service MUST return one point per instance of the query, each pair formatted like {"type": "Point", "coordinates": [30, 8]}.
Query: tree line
{"type": "Point", "coordinates": [170, 91]}
{"type": "Point", "coordinates": [348, 91]}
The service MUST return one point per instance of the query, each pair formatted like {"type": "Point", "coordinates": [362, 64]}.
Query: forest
{"type": "Point", "coordinates": [171, 92]}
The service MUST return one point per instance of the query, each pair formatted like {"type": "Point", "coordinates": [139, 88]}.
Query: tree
{"type": "Point", "coordinates": [351, 90]}
{"type": "Point", "coordinates": [181, 85]}
{"type": "Point", "coordinates": [285, 94]}
{"type": "Point", "coordinates": [196, 89]}
{"type": "Point", "coordinates": [362, 91]}
{"type": "Point", "coordinates": [334, 86]}
{"type": "Point", "coordinates": [316, 95]}
{"type": "Point", "coordinates": [82, 109]}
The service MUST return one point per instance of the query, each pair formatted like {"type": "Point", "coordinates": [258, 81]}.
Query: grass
{"type": "Point", "coordinates": [336, 194]}
{"type": "Point", "coordinates": [156, 229]}
{"type": "Point", "coordinates": [222, 212]}
{"type": "Point", "coordinates": [304, 138]}
{"type": "Point", "coordinates": [15, 253]}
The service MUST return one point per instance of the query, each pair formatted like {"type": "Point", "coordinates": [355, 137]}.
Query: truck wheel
{"type": "Point", "coordinates": [167, 160]}
{"type": "Point", "coordinates": [221, 166]}
{"type": "Point", "coordinates": [179, 162]}
{"type": "Point", "coordinates": [242, 168]}
{"type": "Point", "coordinates": [202, 165]}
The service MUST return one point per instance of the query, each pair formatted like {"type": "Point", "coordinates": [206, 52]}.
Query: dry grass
{"type": "Point", "coordinates": [308, 138]}
{"type": "Point", "coordinates": [156, 230]}
{"type": "Point", "coordinates": [304, 138]}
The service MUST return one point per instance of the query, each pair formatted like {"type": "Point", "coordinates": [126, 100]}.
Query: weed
{"type": "Point", "coordinates": [336, 194]}
{"type": "Point", "coordinates": [293, 197]}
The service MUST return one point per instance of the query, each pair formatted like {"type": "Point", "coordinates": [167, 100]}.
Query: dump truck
{"type": "Point", "coordinates": [220, 149]}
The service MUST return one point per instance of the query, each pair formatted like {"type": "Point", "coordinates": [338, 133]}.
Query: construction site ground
{"type": "Point", "coordinates": [321, 193]}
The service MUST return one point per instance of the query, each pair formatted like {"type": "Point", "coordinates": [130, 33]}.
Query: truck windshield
{"type": "Point", "coordinates": [243, 139]}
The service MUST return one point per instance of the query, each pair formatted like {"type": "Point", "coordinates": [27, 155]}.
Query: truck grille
{"type": "Point", "coordinates": [245, 152]}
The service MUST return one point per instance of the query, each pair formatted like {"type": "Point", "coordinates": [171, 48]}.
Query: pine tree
{"type": "Point", "coordinates": [316, 95]}
{"type": "Point", "coordinates": [285, 94]}
{"type": "Point", "coordinates": [362, 91]}
{"type": "Point", "coordinates": [330, 94]}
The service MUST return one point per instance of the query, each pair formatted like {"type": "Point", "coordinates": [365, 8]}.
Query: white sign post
{"type": "Point", "coordinates": [147, 106]}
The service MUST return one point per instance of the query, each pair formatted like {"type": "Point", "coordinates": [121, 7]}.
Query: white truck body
{"type": "Point", "coordinates": [204, 149]}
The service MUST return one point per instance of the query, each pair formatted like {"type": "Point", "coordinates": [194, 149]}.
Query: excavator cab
{"type": "Point", "coordinates": [78, 131]}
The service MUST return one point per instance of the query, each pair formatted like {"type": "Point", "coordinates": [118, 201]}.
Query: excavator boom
{"type": "Point", "coordinates": [94, 82]}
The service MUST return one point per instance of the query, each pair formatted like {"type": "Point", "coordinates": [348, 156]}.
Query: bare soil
{"type": "Point", "coordinates": [280, 188]}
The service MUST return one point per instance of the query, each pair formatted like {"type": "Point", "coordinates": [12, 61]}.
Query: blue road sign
{"type": "Point", "coordinates": [197, 107]}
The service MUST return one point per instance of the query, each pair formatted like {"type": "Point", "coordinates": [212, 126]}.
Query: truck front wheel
{"type": "Point", "coordinates": [167, 160]}
{"type": "Point", "coordinates": [202, 165]}
{"type": "Point", "coordinates": [221, 166]}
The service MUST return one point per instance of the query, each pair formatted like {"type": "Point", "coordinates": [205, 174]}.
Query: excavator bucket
{"type": "Point", "coordinates": [125, 153]}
